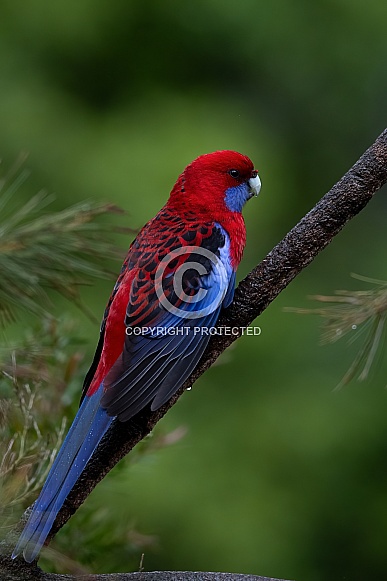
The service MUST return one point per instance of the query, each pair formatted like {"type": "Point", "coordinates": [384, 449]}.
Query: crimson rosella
{"type": "Point", "coordinates": [178, 274]}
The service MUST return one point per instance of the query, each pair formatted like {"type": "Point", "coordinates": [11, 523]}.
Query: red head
{"type": "Point", "coordinates": [215, 184]}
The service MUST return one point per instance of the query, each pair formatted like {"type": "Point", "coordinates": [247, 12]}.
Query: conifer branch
{"type": "Point", "coordinates": [353, 311]}
{"type": "Point", "coordinates": [40, 249]}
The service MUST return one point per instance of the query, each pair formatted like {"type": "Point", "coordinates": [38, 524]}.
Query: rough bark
{"type": "Point", "coordinates": [19, 573]}
{"type": "Point", "coordinates": [299, 247]}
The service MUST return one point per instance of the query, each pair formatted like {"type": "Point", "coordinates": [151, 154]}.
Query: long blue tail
{"type": "Point", "coordinates": [86, 431]}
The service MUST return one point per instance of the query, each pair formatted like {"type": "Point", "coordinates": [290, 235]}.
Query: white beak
{"type": "Point", "coordinates": [255, 185]}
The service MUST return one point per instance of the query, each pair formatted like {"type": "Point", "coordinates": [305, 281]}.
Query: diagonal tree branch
{"type": "Point", "coordinates": [299, 247]}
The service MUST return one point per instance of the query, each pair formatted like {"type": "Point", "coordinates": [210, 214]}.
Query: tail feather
{"type": "Point", "coordinates": [87, 430]}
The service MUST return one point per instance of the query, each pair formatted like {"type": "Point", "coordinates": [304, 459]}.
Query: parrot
{"type": "Point", "coordinates": [179, 273]}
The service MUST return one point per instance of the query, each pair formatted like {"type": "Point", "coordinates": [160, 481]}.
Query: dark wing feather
{"type": "Point", "coordinates": [154, 364]}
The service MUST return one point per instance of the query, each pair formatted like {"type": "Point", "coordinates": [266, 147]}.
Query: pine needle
{"type": "Point", "coordinates": [348, 311]}
{"type": "Point", "coordinates": [42, 249]}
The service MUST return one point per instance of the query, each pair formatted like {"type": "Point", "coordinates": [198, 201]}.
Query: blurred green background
{"type": "Point", "coordinates": [277, 474]}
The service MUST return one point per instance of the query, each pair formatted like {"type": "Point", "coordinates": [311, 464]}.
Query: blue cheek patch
{"type": "Point", "coordinates": [236, 197]}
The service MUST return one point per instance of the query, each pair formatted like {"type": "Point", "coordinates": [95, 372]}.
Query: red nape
{"type": "Point", "coordinates": [202, 187]}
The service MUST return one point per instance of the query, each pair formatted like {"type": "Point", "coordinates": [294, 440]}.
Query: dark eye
{"type": "Point", "coordinates": [234, 173]}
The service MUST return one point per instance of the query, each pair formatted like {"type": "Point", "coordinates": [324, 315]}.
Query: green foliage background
{"type": "Point", "coordinates": [278, 474]}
